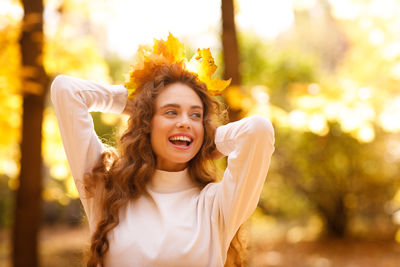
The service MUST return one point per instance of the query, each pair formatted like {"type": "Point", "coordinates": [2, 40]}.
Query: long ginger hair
{"type": "Point", "coordinates": [123, 174]}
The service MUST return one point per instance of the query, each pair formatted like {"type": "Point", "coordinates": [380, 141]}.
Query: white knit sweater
{"type": "Point", "coordinates": [177, 224]}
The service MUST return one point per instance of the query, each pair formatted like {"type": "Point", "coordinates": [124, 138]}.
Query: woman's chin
{"type": "Point", "coordinates": [180, 160]}
{"type": "Point", "coordinates": [173, 163]}
{"type": "Point", "coordinates": [175, 158]}
{"type": "Point", "coordinates": [183, 155]}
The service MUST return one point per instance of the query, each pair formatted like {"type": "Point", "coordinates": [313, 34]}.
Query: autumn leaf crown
{"type": "Point", "coordinates": [169, 52]}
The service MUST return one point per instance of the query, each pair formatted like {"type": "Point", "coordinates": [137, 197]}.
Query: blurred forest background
{"type": "Point", "coordinates": [328, 78]}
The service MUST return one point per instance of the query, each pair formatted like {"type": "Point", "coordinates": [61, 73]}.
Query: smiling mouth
{"type": "Point", "coordinates": [182, 141]}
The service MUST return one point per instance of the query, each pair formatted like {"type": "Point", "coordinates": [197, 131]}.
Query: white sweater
{"type": "Point", "coordinates": [177, 224]}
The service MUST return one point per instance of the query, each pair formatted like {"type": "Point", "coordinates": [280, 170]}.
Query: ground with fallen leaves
{"type": "Point", "coordinates": [63, 246]}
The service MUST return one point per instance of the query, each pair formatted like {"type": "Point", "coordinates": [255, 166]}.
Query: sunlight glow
{"type": "Point", "coordinates": [350, 88]}
{"type": "Point", "coordinates": [303, 4]}
{"type": "Point", "coordinates": [295, 234]}
{"type": "Point", "coordinates": [391, 51]}
{"type": "Point", "coordinates": [260, 109]}
{"type": "Point", "coordinates": [349, 121]}
{"type": "Point", "coordinates": [390, 116]}
{"type": "Point", "coordinates": [344, 9]}
{"type": "Point", "coordinates": [109, 118]}
{"type": "Point", "coordinates": [390, 122]}
{"type": "Point", "coordinates": [265, 18]}
{"type": "Point", "coordinates": [376, 37]}
{"type": "Point", "coordinates": [314, 89]}
{"type": "Point", "coordinates": [298, 119]}
{"type": "Point", "coordinates": [9, 167]}
{"type": "Point", "coordinates": [55, 193]}
{"type": "Point", "coordinates": [332, 110]}
{"type": "Point", "coordinates": [259, 93]}
{"type": "Point", "coordinates": [59, 171]}
{"type": "Point", "coordinates": [50, 126]}
{"type": "Point", "coordinates": [354, 118]}
{"type": "Point", "coordinates": [364, 111]}
{"type": "Point", "coordinates": [396, 217]}
{"type": "Point", "coordinates": [396, 71]}
{"type": "Point", "coordinates": [310, 102]}
{"type": "Point", "coordinates": [366, 134]}
{"type": "Point", "coordinates": [364, 93]}
{"type": "Point", "coordinates": [317, 124]}
{"type": "Point", "coordinates": [279, 116]}
{"type": "Point", "coordinates": [138, 22]}
{"type": "Point", "coordinates": [365, 23]}
{"type": "Point", "coordinates": [384, 9]}
{"type": "Point", "coordinates": [392, 155]}
{"type": "Point", "coordinates": [9, 9]}
{"type": "Point", "coordinates": [72, 192]}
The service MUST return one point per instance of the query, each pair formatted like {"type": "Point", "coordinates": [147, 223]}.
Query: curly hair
{"type": "Point", "coordinates": [123, 174]}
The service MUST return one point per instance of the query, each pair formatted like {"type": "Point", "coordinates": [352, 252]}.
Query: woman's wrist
{"type": "Point", "coordinates": [128, 110]}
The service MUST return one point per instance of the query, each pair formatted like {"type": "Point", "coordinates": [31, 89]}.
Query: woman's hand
{"type": "Point", "coordinates": [128, 110]}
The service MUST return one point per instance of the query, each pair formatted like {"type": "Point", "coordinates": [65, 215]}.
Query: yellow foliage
{"type": "Point", "coordinates": [10, 99]}
{"type": "Point", "coordinates": [397, 236]}
{"type": "Point", "coordinates": [54, 157]}
{"type": "Point", "coordinates": [53, 192]}
{"type": "Point", "coordinates": [360, 95]}
{"type": "Point", "coordinates": [72, 192]}
{"type": "Point", "coordinates": [203, 64]}
{"type": "Point", "coordinates": [172, 49]}
{"type": "Point", "coordinates": [110, 119]}
{"type": "Point", "coordinates": [9, 167]}
{"type": "Point", "coordinates": [13, 183]}
{"type": "Point", "coordinates": [64, 52]}
{"type": "Point", "coordinates": [79, 58]}
{"type": "Point", "coordinates": [170, 52]}
{"type": "Point", "coordinates": [234, 97]}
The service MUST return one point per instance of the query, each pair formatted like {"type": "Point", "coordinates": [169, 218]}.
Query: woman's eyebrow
{"type": "Point", "coordinates": [170, 106]}
{"type": "Point", "coordinates": [173, 105]}
{"type": "Point", "coordinates": [196, 107]}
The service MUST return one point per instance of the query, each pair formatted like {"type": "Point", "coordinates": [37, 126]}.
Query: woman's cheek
{"type": "Point", "coordinates": [201, 136]}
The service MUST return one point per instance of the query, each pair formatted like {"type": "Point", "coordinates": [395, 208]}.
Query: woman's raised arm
{"type": "Point", "coordinates": [73, 99]}
{"type": "Point", "coordinates": [249, 144]}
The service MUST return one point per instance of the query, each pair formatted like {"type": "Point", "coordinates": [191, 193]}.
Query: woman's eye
{"type": "Point", "coordinates": [170, 112]}
{"type": "Point", "coordinates": [196, 115]}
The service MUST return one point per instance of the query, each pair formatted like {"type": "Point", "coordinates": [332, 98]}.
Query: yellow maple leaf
{"type": "Point", "coordinates": [203, 64]}
{"type": "Point", "coordinates": [207, 64]}
{"type": "Point", "coordinates": [172, 49]}
{"type": "Point", "coordinates": [216, 86]}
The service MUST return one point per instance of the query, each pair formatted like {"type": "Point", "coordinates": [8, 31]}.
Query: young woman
{"type": "Point", "coordinates": [156, 202]}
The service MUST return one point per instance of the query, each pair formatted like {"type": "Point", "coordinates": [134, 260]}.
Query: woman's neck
{"type": "Point", "coordinates": [171, 182]}
{"type": "Point", "coordinates": [168, 166]}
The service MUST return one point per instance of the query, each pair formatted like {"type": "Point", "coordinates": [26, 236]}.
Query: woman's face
{"type": "Point", "coordinates": [177, 127]}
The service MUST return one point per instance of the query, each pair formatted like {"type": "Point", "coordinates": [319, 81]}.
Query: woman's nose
{"type": "Point", "coordinates": [183, 123]}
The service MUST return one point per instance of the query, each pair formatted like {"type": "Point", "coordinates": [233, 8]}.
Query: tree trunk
{"type": "Point", "coordinates": [230, 49]}
{"type": "Point", "coordinates": [336, 218]}
{"type": "Point", "coordinates": [28, 196]}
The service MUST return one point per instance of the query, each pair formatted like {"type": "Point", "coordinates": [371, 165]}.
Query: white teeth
{"type": "Point", "coordinates": [180, 138]}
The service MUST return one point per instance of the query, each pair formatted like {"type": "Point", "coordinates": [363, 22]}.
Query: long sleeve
{"type": "Point", "coordinates": [73, 99]}
{"type": "Point", "coordinates": [249, 144]}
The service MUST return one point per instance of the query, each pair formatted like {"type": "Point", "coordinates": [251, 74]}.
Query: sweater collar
{"type": "Point", "coordinates": [170, 182]}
